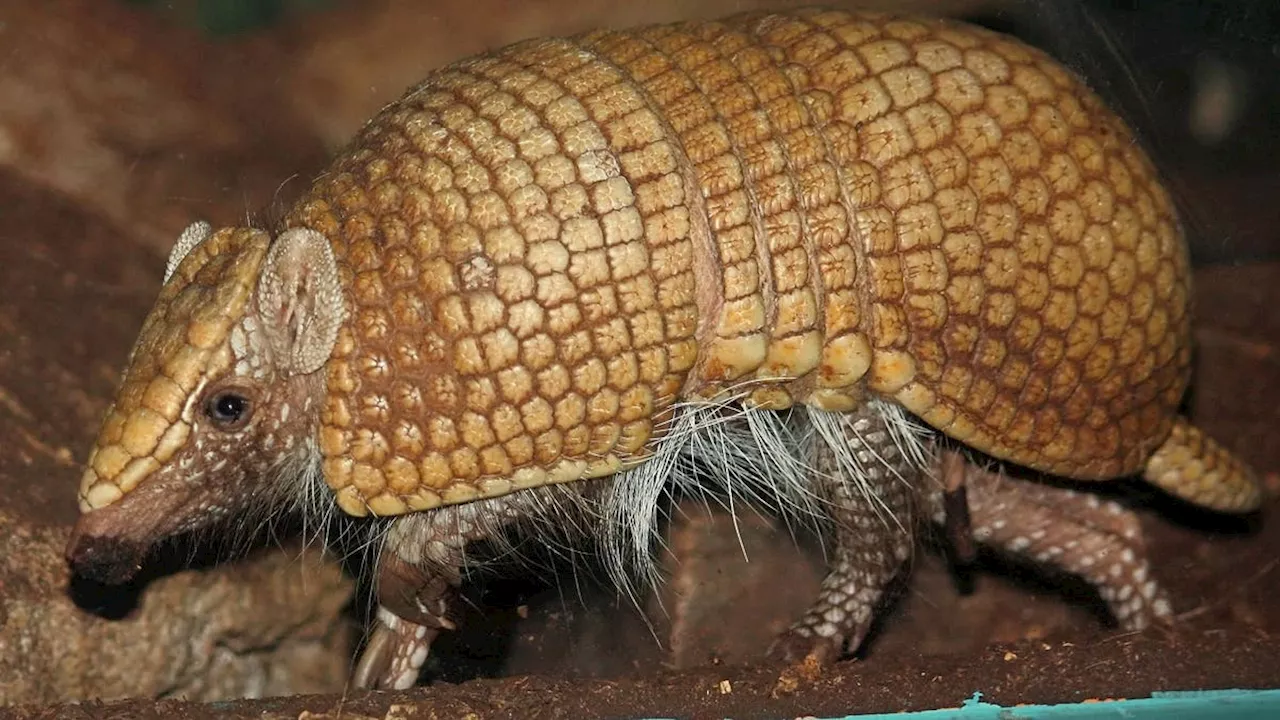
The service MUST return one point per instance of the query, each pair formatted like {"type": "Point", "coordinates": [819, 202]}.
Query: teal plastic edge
{"type": "Point", "coordinates": [1171, 705]}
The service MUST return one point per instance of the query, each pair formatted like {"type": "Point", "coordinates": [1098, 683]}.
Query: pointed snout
{"type": "Point", "coordinates": [109, 543]}
{"type": "Point", "coordinates": [99, 552]}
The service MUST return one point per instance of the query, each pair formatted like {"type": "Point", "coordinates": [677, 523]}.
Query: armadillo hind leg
{"type": "Point", "coordinates": [1192, 466]}
{"type": "Point", "coordinates": [1098, 540]}
{"type": "Point", "coordinates": [872, 488]}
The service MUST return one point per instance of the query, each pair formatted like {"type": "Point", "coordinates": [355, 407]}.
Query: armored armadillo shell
{"type": "Point", "coordinates": [547, 247]}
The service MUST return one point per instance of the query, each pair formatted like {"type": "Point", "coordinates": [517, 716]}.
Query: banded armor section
{"type": "Point", "coordinates": [1025, 279]}
{"type": "Point", "coordinates": [790, 319]}
{"type": "Point", "coordinates": [700, 95]}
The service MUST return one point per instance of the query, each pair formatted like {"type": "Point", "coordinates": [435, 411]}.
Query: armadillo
{"type": "Point", "coordinates": [831, 262]}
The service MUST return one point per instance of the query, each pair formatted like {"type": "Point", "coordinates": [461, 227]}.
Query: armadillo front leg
{"type": "Point", "coordinates": [414, 593]}
{"type": "Point", "coordinates": [873, 491]}
{"type": "Point", "coordinates": [418, 575]}
{"type": "Point", "coordinates": [413, 607]}
{"type": "Point", "coordinates": [420, 571]}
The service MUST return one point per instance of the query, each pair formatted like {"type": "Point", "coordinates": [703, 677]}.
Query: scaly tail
{"type": "Point", "coordinates": [1192, 466]}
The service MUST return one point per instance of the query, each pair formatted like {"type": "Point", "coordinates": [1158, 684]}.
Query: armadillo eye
{"type": "Point", "coordinates": [228, 410]}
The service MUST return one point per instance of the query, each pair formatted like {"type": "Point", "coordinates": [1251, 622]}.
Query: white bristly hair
{"type": "Point", "coordinates": [737, 456]}
{"type": "Point", "coordinates": [293, 487]}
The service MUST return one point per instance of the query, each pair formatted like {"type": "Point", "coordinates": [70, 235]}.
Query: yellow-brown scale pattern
{"type": "Point", "coordinates": [1025, 282]}
{"type": "Point", "coordinates": [546, 247]}
{"type": "Point", "coordinates": [1195, 467]}
{"type": "Point", "coordinates": [182, 342]}
{"type": "Point", "coordinates": [772, 203]}
{"type": "Point", "coordinates": [517, 244]}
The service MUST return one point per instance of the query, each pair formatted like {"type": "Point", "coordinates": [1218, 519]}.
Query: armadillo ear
{"type": "Point", "coordinates": [196, 233]}
{"type": "Point", "coordinates": [300, 300]}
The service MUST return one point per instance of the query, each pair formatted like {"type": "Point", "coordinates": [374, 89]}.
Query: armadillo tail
{"type": "Point", "coordinates": [1194, 467]}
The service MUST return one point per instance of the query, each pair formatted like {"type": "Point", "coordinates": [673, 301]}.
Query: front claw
{"type": "Point", "coordinates": [395, 654]}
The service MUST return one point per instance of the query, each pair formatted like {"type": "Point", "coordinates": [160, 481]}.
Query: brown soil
{"type": "Point", "coordinates": [1109, 668]}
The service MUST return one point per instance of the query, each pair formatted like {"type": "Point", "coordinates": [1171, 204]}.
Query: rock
{"type": "Point", "coordinates": [268, 626]}
{"type": "Point", "coordinates": [733, 587]}
{"type": "Point", "coordinates": [75, 291]}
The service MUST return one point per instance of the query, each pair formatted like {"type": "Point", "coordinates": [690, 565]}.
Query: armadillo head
{"type": "Point", "coordinates": [217, 409]}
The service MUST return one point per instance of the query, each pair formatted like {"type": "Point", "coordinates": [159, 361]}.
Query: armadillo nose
{"type": "Point", "coordinates": [102, 558]}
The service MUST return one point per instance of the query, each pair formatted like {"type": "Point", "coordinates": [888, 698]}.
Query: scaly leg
{"type": "Point", "coordinates": [1098, 540]}
{"type": "Point", "coordinates": [872, 490]}
{"type": "Point", "coordinates": [420, 571]}
{"type": "Point", "coordinates": [413, 607]}
{"type": "Point", "coordinates": [418, 575]}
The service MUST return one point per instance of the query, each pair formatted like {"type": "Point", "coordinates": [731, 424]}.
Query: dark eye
{"type": "Point", "coordinates": [228, 409]}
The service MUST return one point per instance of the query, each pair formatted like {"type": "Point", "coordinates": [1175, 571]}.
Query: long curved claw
{"type": "Point", "coordinates": [395, 654]}
{"type": "Point", "coordinates": [375, 660]}
{"type": "Point", "coordinates": [956, 520]}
